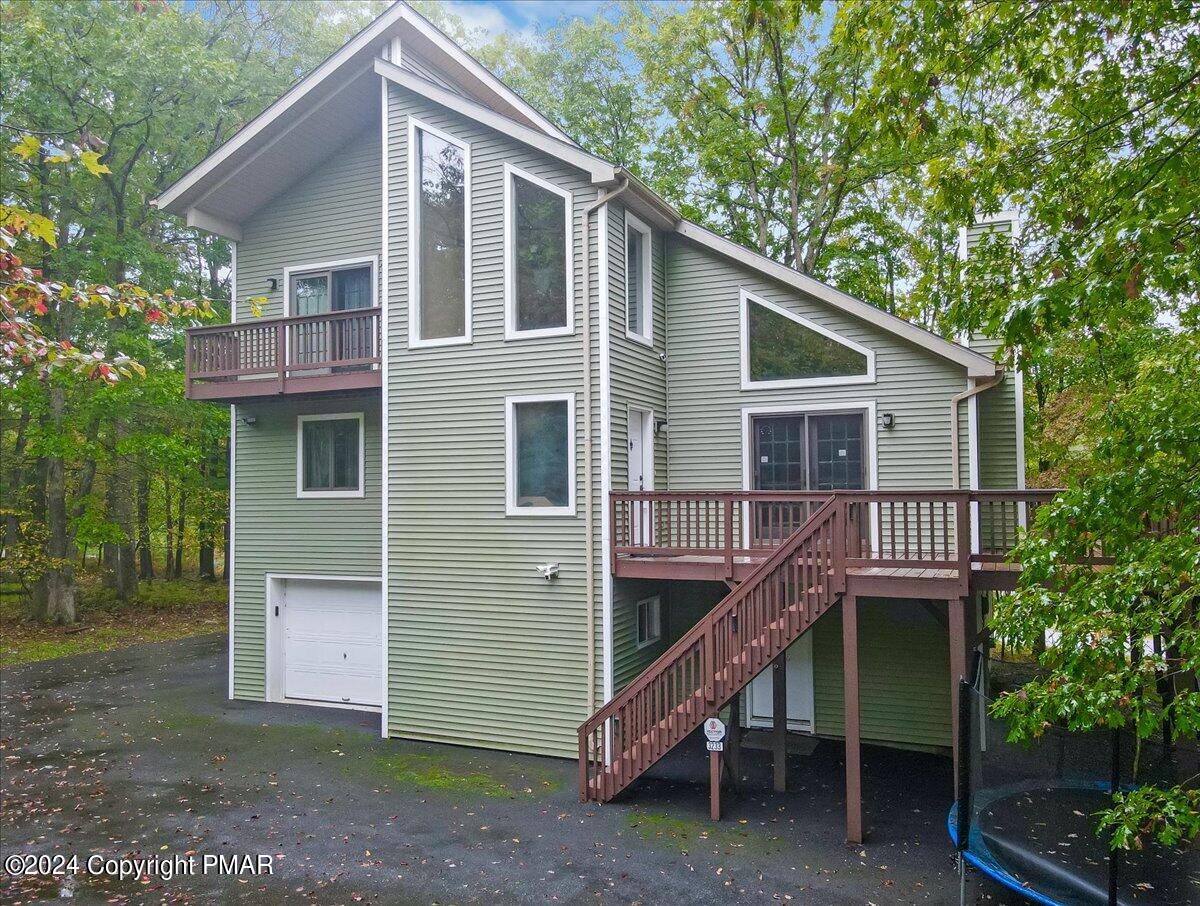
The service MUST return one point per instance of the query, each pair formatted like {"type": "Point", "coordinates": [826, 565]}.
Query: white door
{"type": "Point", "coordinates": [759, 710]}
{"type": "Point", "coordinates": [331, 641]}
{"type": "Point", "coordinates": [641, 470]}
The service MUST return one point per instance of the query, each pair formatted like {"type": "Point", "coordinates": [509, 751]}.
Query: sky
{"type": "Point", "coordinates": [518, 16]}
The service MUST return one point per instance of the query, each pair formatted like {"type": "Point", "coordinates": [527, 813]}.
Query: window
{"type": "Point", "coordinates": [329, 451]}
{"type": "Point", "coordinates": [340, 286]}
{"type": "Point", "coordinates": [649, 621]}
{"type": "Point", "coordinates": [439, 239]}
{"type": "Point", "coordinates": [538, 257]}
{"type": "Point", "coordinates": [782, 349]}
{"type": "Point", "coordinates": [639, 304]}
{"type": "Point", "coordinates": [540, 456]}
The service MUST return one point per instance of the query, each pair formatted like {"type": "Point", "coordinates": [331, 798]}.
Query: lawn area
{"type": "Point", "coordinates": [162, 611]}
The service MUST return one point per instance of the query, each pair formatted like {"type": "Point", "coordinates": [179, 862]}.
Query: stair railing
{"type": "Point", "coordinates": [717, 657]}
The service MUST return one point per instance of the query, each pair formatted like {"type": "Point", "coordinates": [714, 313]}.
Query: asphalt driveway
{"type": "Point", "coordinates": [138, 753]}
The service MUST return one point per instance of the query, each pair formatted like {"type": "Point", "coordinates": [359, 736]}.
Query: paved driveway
{"type": "Point", "coordinates": [137, 752]}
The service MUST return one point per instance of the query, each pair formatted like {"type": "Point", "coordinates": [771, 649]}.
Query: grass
{"type": "Point", "coordinates": [425, 772]}
{"type": "Point", "coordinates": [162, 611]}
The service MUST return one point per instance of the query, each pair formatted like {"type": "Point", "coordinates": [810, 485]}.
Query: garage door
{"type": "Point", "coordinates": [332, 641]}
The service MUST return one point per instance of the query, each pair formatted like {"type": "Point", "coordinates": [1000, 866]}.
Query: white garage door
{"type": "Point", "coordinates": [332, 643]}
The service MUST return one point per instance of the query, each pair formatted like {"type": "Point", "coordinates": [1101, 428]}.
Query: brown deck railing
{"type": "Point", "coordinates": [880, 528]}
{"type": "Point", "coordinates": [303, 354]}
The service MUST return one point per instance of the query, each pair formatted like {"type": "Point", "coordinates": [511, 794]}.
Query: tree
{"type": "Point", "coordinates": [1084, 117]}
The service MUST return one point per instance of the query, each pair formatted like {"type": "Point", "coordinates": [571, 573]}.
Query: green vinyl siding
{"type": "Point", "coordinates": [332, 214]}
{"type": "Point", "coordinates": [706, 399]}
{"type": "Point", "coordinates": [277, 532]}
{"type": "Point", "coordinates": [483, 650]}
{"type": "Point", "coordinates": [904, 673]}
{"type": "Point", "coordinates": [628, 659]}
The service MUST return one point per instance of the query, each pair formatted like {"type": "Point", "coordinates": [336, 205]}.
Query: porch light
{"type": "Point", "coordinates": [660, 425]}
{"type": "Point", "coordinates": [888, 420]}
{"type": "Point", "coordinates": [272, 284]}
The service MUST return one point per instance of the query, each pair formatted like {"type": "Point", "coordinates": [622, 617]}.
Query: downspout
{"type": "Point", "coordinates": [589, 515]}
{"type": "Point", "coordinates": [975, 390]}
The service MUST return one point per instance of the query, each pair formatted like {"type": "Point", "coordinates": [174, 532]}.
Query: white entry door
{"type": "Point", "coordinates": [330, 641]}
{"type": "Point", "coordinates": [759, 710]}
{"type": "Point", "coordinates": [641, 469]}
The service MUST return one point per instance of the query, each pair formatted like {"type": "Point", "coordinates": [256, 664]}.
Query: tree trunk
{"type": "Point", "coordinates": [169, 568]}
{"type": "Point", "coordinates": [120, 510]}
{"type": "Point", "coordinates": [57, 590]}
{"type": "Point", "coordinates": [207, 566]}
{"type": "Point", "coordinates": [179, 533]}
{"type": "Point", "coordinates": [145, 554]}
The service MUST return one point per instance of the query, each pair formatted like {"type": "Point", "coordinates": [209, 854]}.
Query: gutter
{"type": "Point", "coordinates": [589, 510]}
{"type": "Point", "coordinates": [975, 390]}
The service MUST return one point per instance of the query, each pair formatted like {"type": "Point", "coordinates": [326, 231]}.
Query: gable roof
{"type": "Point", "coordinates": [342, 88]}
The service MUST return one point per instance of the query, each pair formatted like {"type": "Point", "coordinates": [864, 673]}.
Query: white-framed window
{"type": "Point", "coordinates": [649, 621]}
{"type": "Point", "coordinates": [439, 237]}
{"type": "Point", "coordinates": [780, 348]}
{"type": "Point", "coordinates": [314, 289]}
{"type": "Point", "coordinates": [538, 257]}
{"type": "Point", "coordinates": [329, 455]}
{"type": "Point", "coordinates": [539, 474]}
{"type": "Point", "coordinates": [639, 298]}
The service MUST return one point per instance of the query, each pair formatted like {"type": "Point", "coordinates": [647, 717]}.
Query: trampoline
{"type": "Point", "coordinates": [1026, 816]}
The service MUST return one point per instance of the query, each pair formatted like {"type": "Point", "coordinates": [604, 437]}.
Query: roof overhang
{"type": "Point", "coordinates": [322, 111]}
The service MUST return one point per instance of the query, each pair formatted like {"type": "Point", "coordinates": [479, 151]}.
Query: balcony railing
{"type": "Point", "coordinates": [338, 350]}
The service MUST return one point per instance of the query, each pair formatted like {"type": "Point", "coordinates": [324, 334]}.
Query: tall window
{"type": "Point", "coordinates": [440, 310]}
{"type": "Point", "coordinates": [639, 307]}
{"type": "Point", "coordinates": [330, 451]}
{"type": "Point", "coordinates": [540, 473]}
{"type": "Point", "coordinates": [538, 266]}
{"type": "Point", "coordinates": [782, 349]}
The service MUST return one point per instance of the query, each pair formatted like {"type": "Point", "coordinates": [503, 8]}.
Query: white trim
{"type": "Point", "coordinates": [599, 170]}
{"type": "Point", "coordinates": [383, 396]}
{"type": "Point", "coordinates": [973, 463]}
{"type": "Point", "coordinates": [606, 580]}
{"type": "Point", "coordinates": [415, 341]}
{"type": "Point", "coordinates": [326, 417]}
{"type": "Point", "coordinates": [1019, 415]}
{"type": "Point", "coordinates": [639, 644]}
{"type": "Point", "coordinates": [211, 223]}
{"type": "Point", "coordinates": [230, 564]}
{"type": "Point", "coordinates": [745, 298]}
{"type": "Point", "coordinates": [273, 658]}
{"type": "Point", "coordinates": [445, 44]}
{"type": "Point", "coordinates": [644, 336]}
{"type": "Point", "coordinates": [330, 266]}
{"type": "Point", "coordinates": [510, 249]}
{"type": "Point", "coordinates": [510, 451]}
{"type": "Point", "coordinates": [976, 364]}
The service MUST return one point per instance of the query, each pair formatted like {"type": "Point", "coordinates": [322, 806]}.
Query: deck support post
{"type": "Point", "coordinates": [779, 720]}
{"type": "Point", "coordinates": [854, 821]}
{"type": "Point", "coordinates": [714, 785]}
{"type": "Point", "coordinates": [962, 638]}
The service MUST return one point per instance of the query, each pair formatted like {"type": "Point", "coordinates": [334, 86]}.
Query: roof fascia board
{"type": "Point", "coordinates": [438, 38]}
{"type": "Point", "coordinates": [600, 171]}
{"type": "Point", "coordinates": [292, 97]}
{"type": "Point", "coordinates": [975, 364]}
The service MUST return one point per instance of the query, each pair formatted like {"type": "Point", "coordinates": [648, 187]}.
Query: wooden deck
{"type": "Point", "coordinates": [331, 352]}
{"type": "Point", "coordinates": [893, 543]}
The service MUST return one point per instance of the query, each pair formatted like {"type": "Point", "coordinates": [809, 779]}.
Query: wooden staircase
{"type": "Point", "coordinates": [717, 658]}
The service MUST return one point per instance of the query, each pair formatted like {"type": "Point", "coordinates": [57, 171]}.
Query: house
{"type": "Point", "coordinates": [511, 434]}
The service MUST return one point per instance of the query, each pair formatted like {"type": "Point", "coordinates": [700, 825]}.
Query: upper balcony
{"type": "Point", "coordinates": [266, 357]}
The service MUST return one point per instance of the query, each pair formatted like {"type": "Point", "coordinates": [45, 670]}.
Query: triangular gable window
{"type": "Point", "coordinates": [783, 348]}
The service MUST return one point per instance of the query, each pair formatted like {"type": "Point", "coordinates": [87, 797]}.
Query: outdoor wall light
{"type": "Point", "coordinates": [548, 571]}
{"type": "Point", "coordinates": [889, 420]}
{"type": "Point", "coordinates": [660, 425]}
{"type": "Point", "coordinates": [249, 421]}
{"type": "Point", "coordinates": [272, 284]}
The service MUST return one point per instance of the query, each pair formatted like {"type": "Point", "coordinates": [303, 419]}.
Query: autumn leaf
{"type": "Point", "coordinates": [91, 160]}
{"type": "Point", "coordinates": [27, 147]}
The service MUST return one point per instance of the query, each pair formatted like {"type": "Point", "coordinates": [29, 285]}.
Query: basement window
{"type": "Point", "coordinates": [540, 455]}
{"type": "Point", "coordinates": [649, 621]}
{"type": "Point", "coordinates": [329, 451]}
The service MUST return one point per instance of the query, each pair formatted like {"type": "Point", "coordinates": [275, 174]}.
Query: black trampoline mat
{"type": "Point", "coordinates": [1046, 839]}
